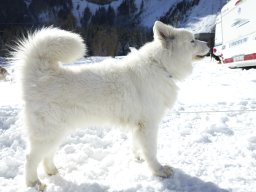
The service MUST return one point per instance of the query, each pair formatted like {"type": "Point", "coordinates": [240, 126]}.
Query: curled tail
{"type": "Point", "coordinates": [47, 47]}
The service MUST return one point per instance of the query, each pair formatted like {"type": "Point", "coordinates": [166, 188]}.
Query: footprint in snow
{"type": "Point", "coordinates": [252, 143]}
{"type": "Point", "coordinates": [220, 129]}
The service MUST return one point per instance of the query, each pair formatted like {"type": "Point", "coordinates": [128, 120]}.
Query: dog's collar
{"type": "Point", "coordinates": [161, 65]}
{"type": "Point", "coordinates": [165, 70]}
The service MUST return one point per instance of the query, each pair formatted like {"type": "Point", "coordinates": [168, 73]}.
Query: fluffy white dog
{"type": "Point", "coordinates": [133, 92]}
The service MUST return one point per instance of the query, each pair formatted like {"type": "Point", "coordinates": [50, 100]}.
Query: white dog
{"type": "Point", "coordinates": [132, 92]}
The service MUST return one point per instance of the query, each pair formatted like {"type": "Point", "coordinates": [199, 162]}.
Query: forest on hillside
{"type": "Point", "coordinates": [107, 31]}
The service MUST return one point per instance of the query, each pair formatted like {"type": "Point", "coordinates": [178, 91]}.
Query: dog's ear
{"type": "Point", "coordinates": [163, 32]}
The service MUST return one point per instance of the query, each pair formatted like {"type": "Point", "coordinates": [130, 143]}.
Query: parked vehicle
{"type": "Point", "coordinates": [235, 34]}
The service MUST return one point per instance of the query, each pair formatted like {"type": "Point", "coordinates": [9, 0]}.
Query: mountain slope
{"type": "Point", "coordinates": [194, 13]}
{"type": "Point", "coordinates": [202, 17]}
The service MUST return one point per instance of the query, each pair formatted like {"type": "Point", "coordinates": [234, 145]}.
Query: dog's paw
{"type": "Point", "coordinates": [164, 171]}
{"type": "Point", "coordinates": [39, 186]}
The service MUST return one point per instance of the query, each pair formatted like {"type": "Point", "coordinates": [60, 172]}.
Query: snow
{"type": "Point", "coordinates": [208, 138]}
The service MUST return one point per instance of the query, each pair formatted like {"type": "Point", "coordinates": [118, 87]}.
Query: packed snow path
{"type": "Point", "coordinates": [209, 138]}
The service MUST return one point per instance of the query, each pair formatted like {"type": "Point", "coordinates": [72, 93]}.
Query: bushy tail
{"type": "Point", "coordinates": [47, 47]}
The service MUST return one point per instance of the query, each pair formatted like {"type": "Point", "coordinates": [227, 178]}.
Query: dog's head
{"type": "Point", "coordinates": [179, 40]}
{"type": "Point", "coordinates": [177, 48]}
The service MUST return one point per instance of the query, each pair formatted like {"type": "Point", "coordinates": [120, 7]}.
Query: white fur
{"type": "Point", "coordinates": [133, 92]}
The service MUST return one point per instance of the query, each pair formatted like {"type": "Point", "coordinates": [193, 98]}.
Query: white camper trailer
{"type": "Point", "coordinates": [235, 34]}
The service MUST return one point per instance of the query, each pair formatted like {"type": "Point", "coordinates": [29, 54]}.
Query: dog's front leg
{"type": "Point", "coordinates": [146, 135]}
{"type": "Point", "coordinates": [136, 145]}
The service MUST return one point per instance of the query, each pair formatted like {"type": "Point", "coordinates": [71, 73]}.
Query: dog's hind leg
{"type": "Point", "coordinates": [51, 148]}
{"type": "Point", "coordinates": [146, 135]}
{"type": "Point", "coordinates": [33, 158]}
{"type": "Point", "coordinates": [41, 150]}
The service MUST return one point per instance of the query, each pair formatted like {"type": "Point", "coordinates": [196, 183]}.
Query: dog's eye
{"type": "Point", "coordinates": [192, 41]}
{"type": "Point", "coordinates": [171, 37]}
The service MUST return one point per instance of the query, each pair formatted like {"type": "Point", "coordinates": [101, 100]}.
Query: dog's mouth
{"type": "Point", "coordinates": [199, 57]}
{"type": "Point", "coordinates": [202, 54]}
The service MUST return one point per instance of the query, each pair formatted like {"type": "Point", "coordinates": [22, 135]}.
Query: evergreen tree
{"type": "Point", "coordinates": [13, 11]}
{"type": "Point", "coordinates": [126, 12]}
{"type": "Point", "coordinates": [100, 17]}
{"type": "Point", "coordinates": [111, 15]}
{"type": "Point", "coordinates": [86, 17]}
{"type": "Point", "coordinates": [127, 8]}
{"type": "Point", "coordinates": [142, 5]}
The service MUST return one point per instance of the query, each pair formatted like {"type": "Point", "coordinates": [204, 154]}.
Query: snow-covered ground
{"type": "Point", "coordinates": [209, 138]}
